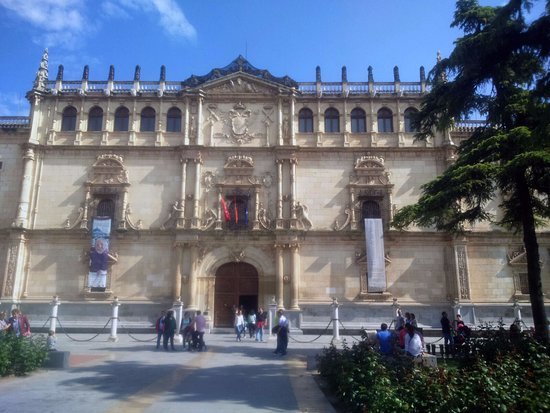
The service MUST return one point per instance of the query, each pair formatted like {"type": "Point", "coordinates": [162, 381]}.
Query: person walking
{"type": "Point", "coordinates": [282, 334]}
{"type": "Point", "coordinates": [200, 328]}
{"type": "Point", "coordinates": [159, 327]}
{"type": "Point", "coordinates": [261, 318]}
{"type": "Point", "coordinates": [169, 330]}
{"type": "Point", "coordinates": [239, 324]}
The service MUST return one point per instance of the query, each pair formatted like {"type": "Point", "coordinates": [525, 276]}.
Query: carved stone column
{"type": "Point", "coordinates": [22, 217]}
{"type": "Point", "coordinates": [14, 271]}
{"type": "Point", "coordinates": [180, 221]}
{"type": "Point", "coordinates": [86, 214]}
{"type": "Point", "coordinates": [293, 221]}
{"type": "Point", "coordinates": [353, 220]}
{"type": "Point", "coordinates": [200, 140]}
{"type": "Point", "coordinates": [255, 222]}
{"type": "Point", "coordinates": [196, 196]}
{"type": "Point", "coordinates": [291, 120]}
{"type": "Point", "coordinates": [122, 212]}
{"type": "Point", "coordinates": [462, 273]}
{"type": "Point", "coordinates": [280, 122]}
{"type": "Point", "coordinates": [186, 123]}
{"type": "Point", "coordinates": [279, 220]}
{"type": "Point", "coordinates": [192, 282]}
{"type": "Point", "coordinates": [295, 277]}
{"type": "Point", "coordinates": [279, 282]}
{"type": "Point", "coordinates": [176, 281]}
{"type": "Point", "coordinates": [220, 212]}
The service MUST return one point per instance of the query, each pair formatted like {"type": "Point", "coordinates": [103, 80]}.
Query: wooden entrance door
{"type": "Point", "coordinates": [236, 285]}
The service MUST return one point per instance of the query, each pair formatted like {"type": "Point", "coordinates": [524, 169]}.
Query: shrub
{"type": "Point", "coordinates": [494, 375]}
{"type": "Point", "coordinates": [21, 355]}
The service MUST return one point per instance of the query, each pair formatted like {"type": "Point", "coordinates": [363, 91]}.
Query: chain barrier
{"type": "Point", "coordinates": [315, 339]}
{"type": "Point", "coordinates": [72, 338]}
{"type": "Point", "coordinates": [135, 338]}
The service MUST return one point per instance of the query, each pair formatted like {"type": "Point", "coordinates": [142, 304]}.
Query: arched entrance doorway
{"type": "Point", "coordinates": [236, 285]}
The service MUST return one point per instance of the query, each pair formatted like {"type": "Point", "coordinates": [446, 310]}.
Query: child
{"type": "Point", "coordinates": [51, 341]}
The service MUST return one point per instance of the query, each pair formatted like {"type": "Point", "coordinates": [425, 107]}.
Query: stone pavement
{"type": "Point", "coordinates": [132, 376]}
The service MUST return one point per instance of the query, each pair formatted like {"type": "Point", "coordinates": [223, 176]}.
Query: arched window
{"type": "Point", "coordinates": [358, 121]}
{"type": "Point", "coordinates": [305, 121]}
{"type": "Point", "coordinates": [122, 119]}
{"type": "Point", "coordinates": [410, 127]}
{"type": "Point", "coordinates": [95, 119]}
{"type": "Point", "coordinates": [68, 122]}
{"type": "Point", "coordinates": [385, 120]}
{"type": "Point", "coordinates": [332, 121]}
{"type": "Point", "coordinates": [370, 209]}
{"type": "Point", "coordinates": [147, 123]}
{"type": "Point", "coordinates": [173, 120]}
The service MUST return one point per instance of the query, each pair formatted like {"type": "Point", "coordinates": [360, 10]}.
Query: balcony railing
{"type": "Point", "coordinates": [15, 122]}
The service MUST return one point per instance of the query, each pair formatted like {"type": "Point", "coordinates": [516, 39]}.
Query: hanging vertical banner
{"type": "Point", "coordinates": [226, 215]}
{"type": "Point", "coordinates": [376, 269]}
{"type": "Point", "coordinates": [99, 253]}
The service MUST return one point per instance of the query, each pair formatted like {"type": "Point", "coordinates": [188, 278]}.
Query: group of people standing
{"type": "Point", "coordinates": [17, 324]}
{"type": "Point", "coordinates": [192, 328]}
{"type": "Point", "coordinates": [253, 322]}
{"type": "Point", "coordinates": [454, 333]}
{"type": "Point", "coordinates": [407, 336]}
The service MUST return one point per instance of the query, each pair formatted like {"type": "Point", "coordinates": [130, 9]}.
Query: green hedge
{"type": "Point", "coordinates": [511, 378]}
{"type": "Point", "coordinates": [21, 355]}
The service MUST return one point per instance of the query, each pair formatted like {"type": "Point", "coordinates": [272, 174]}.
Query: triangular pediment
{"type": "Point", "coordinates": [240, 83]}
{"type": "Point", "coordinates": [241, 73]}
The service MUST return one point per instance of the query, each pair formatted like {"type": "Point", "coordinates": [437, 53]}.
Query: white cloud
{"type": "Point", "coordinates": [173, 20]}
{"type": "Point", "coordinates": [62, 21]}
{"type": "Point", "coordinates": [66, 23]}
{"type": "Point", "coordinates": [13, 104]}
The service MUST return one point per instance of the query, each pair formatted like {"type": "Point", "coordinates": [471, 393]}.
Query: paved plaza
{"type": "Point", "coordinates": [132, 376]}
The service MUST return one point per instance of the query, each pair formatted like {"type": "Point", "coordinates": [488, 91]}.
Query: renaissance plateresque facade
{"type": "Point", "coordinates": [238, 188]}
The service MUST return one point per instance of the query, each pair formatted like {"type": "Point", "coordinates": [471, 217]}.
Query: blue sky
{"type": "Point", "coordinates": [286, 37]}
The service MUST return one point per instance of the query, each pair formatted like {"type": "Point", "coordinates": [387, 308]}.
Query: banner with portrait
{"type": "Point", "coordinates": [99, 253]}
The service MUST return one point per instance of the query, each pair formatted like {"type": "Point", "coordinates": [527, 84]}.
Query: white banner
{"type": "Point", "coordinates": [376, 268]}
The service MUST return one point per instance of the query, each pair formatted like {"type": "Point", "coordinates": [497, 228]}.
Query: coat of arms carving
{"type": "Point", "coordinates": [238, 120]}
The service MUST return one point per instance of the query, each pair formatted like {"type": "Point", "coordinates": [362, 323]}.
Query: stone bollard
{"type": "Point", "coordinates": [517, 314]}
{"type": "Point", "coordinates": [442, 350]}
{"type": "Point", "coordinates": [335, 326]}
{"type": "Point", "coordinates": [272, 310]}
{"type": "Point", "coordinates": [114, 318]}
{"type": "Point", "coordinates": [178, 306]}
{"type": "Point", "coordinates": [53, 317]}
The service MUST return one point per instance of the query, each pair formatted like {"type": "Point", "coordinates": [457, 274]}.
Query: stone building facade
{"type": "Point", "coordinates": [239, 188]}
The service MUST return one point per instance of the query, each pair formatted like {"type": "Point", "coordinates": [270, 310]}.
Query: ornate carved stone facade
{"type": "Point", "coordinates": [238, 177]}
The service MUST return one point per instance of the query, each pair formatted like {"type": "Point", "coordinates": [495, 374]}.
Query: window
{"type": "Point", "coordinates": [173, 120]}
{"type": "Point", "coordinates": [106, 208]}
{"type": "Point", "coordinates": [523, 283]}
{"type": "Point", "coordinates": [238, 210]}
{"type": "Point", "coordinates": [370, 209]}
{"type": "Point", "coordinates": [385, 120]}
{"type": "Point", "coordinates": [68, 123]}
{"type": "Point", "coordinates": [147, 120]}
{"type": "Point", "coordinates": [358, 121]}
{"type": "Point", "coordinates": [95, 119]}
{"type": "Point", "coordinates": [410, 127]}
{"type": "Point", "coordinates": [122, 119]}
{"type": "Point", "coordinates": [332, 121]}
{"type": "Point", "coordinates": [305, 121]}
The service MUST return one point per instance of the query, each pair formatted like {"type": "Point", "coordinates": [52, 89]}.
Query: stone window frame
{"type": "Point", "coordinates": [68, 119]}
{"type": "Point", "coordinates": [408, 119]}
{"type": "Point", "coordinates": [332, 120]}
{"type": "Point", "coordinates": [305, 121]}
{"type": "Point", "coordinates": [119, 118]}
{"type": "Point", "coordinates": [358, 118]}
{"type": "Point", "coordinates": [148, 116]}
{"type": "Point", "coordinates": [384, 118]}
{"type": "Point", "coordinates": [172, 127]}
{"type": "Point", "coordinates": [95, 119]}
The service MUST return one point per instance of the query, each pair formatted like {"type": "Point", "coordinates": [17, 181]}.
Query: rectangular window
{"type": "Point", "coordinates": [238, 211]}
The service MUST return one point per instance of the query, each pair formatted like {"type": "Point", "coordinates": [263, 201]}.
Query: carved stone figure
{"type": "Point", "coordinates": [302, 215]}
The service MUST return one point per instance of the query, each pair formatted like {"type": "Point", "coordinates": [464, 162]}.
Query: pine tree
{"type": "Point", "coordinates": [499, 69]}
